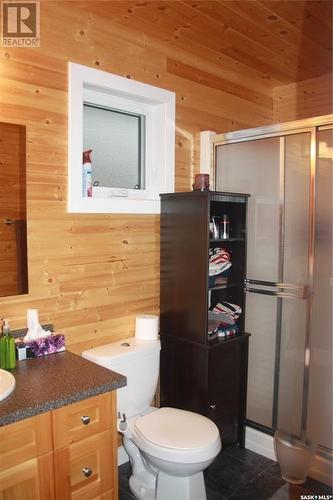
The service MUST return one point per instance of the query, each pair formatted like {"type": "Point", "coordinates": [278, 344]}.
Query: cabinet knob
{"type": "Point", "coordinates": [87, 471]}
{"type": "Point", "coordinates": [212, 407]}
{"type": "Point", "coordinates": [8, 222]}
{"type": "Point", "coordinates": [85, 419]}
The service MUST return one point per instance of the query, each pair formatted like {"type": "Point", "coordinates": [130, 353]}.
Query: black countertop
{"type": "Point", "coordinates": [49, 382]}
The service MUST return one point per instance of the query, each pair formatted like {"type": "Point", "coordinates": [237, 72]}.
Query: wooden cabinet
{"type": "Point", "coordinates": [26, 460]}
{"type": "Point", "coordinates": [85, 449]}
{"type": "Point", "coordinates": [69, 453]}
{"type": "Point", "coordinates": [203, 372]}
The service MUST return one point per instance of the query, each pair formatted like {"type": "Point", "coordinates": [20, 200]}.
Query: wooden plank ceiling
{"type": "Point", "coordinates": [277, 41]}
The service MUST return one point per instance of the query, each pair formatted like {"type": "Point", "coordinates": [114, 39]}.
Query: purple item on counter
{"type": "Point", "coordinates": [47, 345]}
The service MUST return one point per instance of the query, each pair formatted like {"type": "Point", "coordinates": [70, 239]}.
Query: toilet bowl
{"type": "Point", "coordinates": [168, 448]}
{"type": "Point", "coordinates": [176, 445]}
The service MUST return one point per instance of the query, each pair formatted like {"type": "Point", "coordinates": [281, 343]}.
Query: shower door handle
{"type": "Point", "coordinates": [275, 289]}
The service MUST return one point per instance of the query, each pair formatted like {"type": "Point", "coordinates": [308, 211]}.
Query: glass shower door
{"type": "Point", "coordinates": [276, 172]}
{"type": "Point", "coordinates": [254, 167]}
{"type": "Point", "coordinates": [321, 381]}
{"type": "Point", "coordinates": [296, 252]}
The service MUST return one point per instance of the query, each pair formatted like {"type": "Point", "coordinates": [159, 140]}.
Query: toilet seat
{"type": "Point", "coordinates": [177, 435]}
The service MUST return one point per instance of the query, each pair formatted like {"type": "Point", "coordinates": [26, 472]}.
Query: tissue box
{"type": "Point", "coordinates": [40, 347]}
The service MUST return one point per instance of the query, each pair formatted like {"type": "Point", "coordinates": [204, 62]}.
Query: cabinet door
{"type": "Point", "coordinates": [29, 480]}
{"type": "Point", "coordinates": [184, 265]}
{"type": "Point", "coordinates": [24, 440]}
{"type": "Point", "coordinates": [183, 375]}
{"type": "Point", "coordinates": [227, 389]}
{"type": "Point", "coordinates": [85, 470]}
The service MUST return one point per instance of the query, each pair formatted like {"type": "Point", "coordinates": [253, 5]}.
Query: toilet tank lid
{"type": "Point", "coordinates": [130, 347]}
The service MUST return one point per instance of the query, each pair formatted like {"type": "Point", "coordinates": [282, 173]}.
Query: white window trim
{"type": "Point", "coordinates": [158, 105]}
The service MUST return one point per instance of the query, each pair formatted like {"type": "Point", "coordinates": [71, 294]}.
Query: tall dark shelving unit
{"type": "Point", "coordinates": [207, 376]}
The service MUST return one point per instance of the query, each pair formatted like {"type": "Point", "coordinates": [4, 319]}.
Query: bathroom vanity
{"type": "Point", "coordinates": [58, 434]}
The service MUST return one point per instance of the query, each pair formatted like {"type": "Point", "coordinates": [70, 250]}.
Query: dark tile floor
{"type": "Point", "coordinates": [242, 475]}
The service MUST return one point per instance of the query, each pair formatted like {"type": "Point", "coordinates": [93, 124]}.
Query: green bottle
{"type": "Point", "coordinates": [2, 348]}
{"type": "Point", "coordinates": [7, 348]}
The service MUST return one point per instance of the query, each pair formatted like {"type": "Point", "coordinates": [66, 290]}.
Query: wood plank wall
{"type": "Point", "coordinates": [304, 99]}
{"type": "Point", "coordinates": [90, 275]}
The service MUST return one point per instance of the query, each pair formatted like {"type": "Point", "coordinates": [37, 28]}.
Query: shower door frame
{"type": "Point", "coordinates": [282, 130]}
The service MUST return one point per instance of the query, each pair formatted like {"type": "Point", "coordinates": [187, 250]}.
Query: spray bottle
{"type": "Point", "coordinates": [86, 174]}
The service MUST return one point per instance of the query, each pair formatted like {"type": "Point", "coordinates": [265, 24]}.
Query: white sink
{"type": "Point", "coordinates": [7, 384]}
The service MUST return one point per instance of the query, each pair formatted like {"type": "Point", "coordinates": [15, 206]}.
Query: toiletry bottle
{"type": "Point", "coordinates": [225, 228]}
{"type": "Point", "coordinates": [216, 226]}
{"type": "Point", "coordinates": [2, 347]}
{"type": "Point", "coordinates": [7, 350]}
{"type": "Point", "coordinates": [86, 174]}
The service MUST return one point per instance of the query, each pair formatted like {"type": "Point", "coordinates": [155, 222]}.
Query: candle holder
{"type": "Point", "coordinates": [201, 182]}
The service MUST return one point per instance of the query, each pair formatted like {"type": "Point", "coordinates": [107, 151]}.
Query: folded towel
{"type": "Point", "coordinates": [225, 312]}
{"type": "Point", "coordinates": [227, 307]}
{"type": "Point", "coordinates": [219, 261]}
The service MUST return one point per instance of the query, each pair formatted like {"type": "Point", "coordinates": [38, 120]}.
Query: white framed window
{"type": "Point", "coordinates": [130, 128]}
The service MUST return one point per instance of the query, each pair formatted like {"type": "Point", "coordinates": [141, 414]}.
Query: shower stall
{"type": "Point", "coordinates": [287, 170]}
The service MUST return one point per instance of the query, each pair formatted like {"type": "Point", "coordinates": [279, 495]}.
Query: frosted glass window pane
{"type": "Point", "coordinates": [321, 391]}
{"type": "Point", "coordinates": [261, 322]}
{"type": "Point", "coordinates": [296, 208]}
{"type": "Point", "coordinates": [254, 167]}
{"type": "Point", "coordinates": [117, 143]}
{"type": "Point", "coordinates": [290, 397]}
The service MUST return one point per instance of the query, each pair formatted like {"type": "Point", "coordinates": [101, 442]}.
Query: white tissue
{"type": "Point", "coordinates": [35, 331]}
{"type": "Point", "coordinates": [146, 327]}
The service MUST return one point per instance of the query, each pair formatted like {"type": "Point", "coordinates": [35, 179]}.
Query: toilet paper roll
{"type": "Point", "coordinates": [146, 327]}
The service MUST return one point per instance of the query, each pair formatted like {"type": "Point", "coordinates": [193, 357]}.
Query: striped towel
{"type": "Point", "coordinates": [229, 313]}
{"type": "Point", "coordinates": [219, 261]}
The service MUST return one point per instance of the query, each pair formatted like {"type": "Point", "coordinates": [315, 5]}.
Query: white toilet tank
{"type": "Point", "coordinates": [139, 361]}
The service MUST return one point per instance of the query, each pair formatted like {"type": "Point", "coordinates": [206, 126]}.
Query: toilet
{"type": "Point", "coordinates": [168, 448]}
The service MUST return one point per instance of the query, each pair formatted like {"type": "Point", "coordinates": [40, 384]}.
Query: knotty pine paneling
{"type": "Point", "coordinates": [305, 99]}
{"type": "Point", "coordinates": [90, 274]}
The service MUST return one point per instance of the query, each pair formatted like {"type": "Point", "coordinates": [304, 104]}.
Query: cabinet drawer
{"type": "Point", "coordinates": [109, 495]}
{"type": "Point", "coordinates": [24, 440]}
{"type": "Point", "coordinates": [79, 420]}
{"type": "Point", "coordinates": [84, 470]}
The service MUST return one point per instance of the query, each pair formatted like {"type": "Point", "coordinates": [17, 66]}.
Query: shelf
{"type": "Point", "coordinates": [223, 340]}
{"type": "Point", "coordinates": [221, 240]}
{"type": "Point", "coordinates": [223, 287]}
